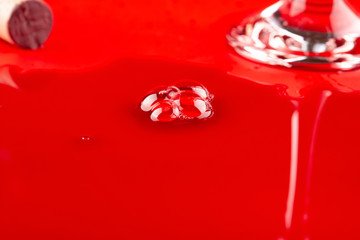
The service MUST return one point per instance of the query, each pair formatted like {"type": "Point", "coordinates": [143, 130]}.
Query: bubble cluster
{"type": "Point", "coordinates": [185, 100]}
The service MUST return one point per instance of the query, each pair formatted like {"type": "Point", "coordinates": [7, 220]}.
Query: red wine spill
{"type": "Point", "coordinates": [295, 188]}
{"type": "Point", "coordinates": [74, 148]}
{"type": "Point", "coordinates": [186, 101]}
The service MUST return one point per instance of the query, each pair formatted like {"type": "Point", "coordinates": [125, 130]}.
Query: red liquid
{"type": "Point", "coordinates": [327, 16]}
{"type": "Point", "coordinates": [79, 160]}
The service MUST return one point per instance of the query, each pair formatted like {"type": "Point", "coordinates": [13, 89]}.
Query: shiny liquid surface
{"type": "Point", "coordinates": [79, 160]}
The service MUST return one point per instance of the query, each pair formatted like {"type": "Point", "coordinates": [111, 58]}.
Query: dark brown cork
{"type": "Point", "coordinates": [30, 24]}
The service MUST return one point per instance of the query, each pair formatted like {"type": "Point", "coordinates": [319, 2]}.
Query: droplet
{"type": "Point", "coordinates": [165, 111]}
{"type": "Point", "coordinates": [187, 101]}
{"type": "Point", "coordinates": [191, 104]}
{"type": "Point", "coordinates": [195, 87]}
{"type": "Point", "coordinates": [159, 94]}
{"type": "Point", "coordinates": [86, 138]}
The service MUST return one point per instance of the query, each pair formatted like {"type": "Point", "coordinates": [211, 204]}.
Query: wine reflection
{"type": "Point", "coordinates": [303, 141]}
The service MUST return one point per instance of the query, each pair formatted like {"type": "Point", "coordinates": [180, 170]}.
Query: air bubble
{"type": "Point", "coordinates": [162, 93]}
{"type": "Point", "coordinates": [192, 104]}
{"type": "Point", "coordinates": [186, 101]}
{"type": "Point", "coordinates": [165, 111]}
{"type": "Point", "coordinates": [196, 87]}
{"type": "Point", "coordinates": [85, 138]}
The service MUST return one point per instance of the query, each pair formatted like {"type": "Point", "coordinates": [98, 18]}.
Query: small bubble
{"type": "Point", "coordinates": [192, 104]}
{"type": "Point", "coordinates": [158, 94]}
{"type": "Point", "coordinates": [165, 111]}
{"type": "Point", "coordinates": [85, 138]}
{"type": "Point", "coordinates": [195, 87]}
{"type": "Point", "coordinates": [184, 117]}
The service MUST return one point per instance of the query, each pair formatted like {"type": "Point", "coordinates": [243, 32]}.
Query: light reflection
{"type": "Point", "coordinates": [6, 78]}
{"type": "Point", "coordinates": [293, 166]}
{"type": "Point", "coordinates": [294, 187]}
{"type": "Point", "coordinates": [323, 98]}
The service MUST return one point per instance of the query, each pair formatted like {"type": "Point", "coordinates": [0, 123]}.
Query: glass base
{"type": "Point", "coordinates": [269, 39]}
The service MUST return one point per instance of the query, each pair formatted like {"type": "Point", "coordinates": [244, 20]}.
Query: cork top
{"type": "Point", "coordinates": [30, 24]}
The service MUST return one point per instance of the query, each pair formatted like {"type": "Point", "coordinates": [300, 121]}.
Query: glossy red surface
{"type": "Point", "coordinates": [334, 16]}
{"type": "Point", "coordinates": [78, 159]}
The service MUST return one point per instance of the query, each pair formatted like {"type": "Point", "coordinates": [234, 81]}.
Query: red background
{"type": "Point", "coordinates": [226, 178]}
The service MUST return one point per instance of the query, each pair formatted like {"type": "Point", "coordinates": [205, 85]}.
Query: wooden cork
{"type": "Point", "coordinates": [26, 23]}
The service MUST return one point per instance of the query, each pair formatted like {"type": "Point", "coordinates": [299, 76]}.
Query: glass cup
{"type": "Point", "coordinates": [313, 34]}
